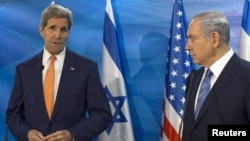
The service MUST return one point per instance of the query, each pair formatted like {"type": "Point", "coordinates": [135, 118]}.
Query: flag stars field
{"type": "Point", "coordinates": [175, 61]}
{"type": "Point", "coordinates": [179, 25]}
{"type": "Point", "coordinates": [185, 75]}
{"type": "Point", "coordinates": [178, 37]}
{"type": "Point", "coordinates": [174, 73]}
{"type": "Point", "coordinates": [183, 100]}
{"type": "Point", "coordinates": [171, 97]}
{"type": "Point", "coordinates": [177, 49]}
{"type": "Point", "coordinates": [179, 13]}
{"type": "Point", "coordinates": [187, 63]}
{"type": "Point", "coordinates": [183, 88]}
{"type": "Point", "coordinates": [173, 85]}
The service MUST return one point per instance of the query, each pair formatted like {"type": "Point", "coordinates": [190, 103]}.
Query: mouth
{"type": "Point", "coordinates": [192, 56]}
{"type": "Point", "coordinates": [56, 43]}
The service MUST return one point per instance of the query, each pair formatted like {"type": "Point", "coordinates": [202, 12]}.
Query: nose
{"type": "Point", "coordinates": [58, 33]}
{"type": "Point", "coordinates": [187, 47]}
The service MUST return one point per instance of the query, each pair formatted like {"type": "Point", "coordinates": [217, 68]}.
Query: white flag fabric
{"type": "Point", "coordinates": [113, 83]}
{"type": "Point", "coordinates": [244, 48]}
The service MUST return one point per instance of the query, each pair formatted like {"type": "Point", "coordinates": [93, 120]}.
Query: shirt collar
{"type": "Point", "coordinates": [59, 57]}
{"type": "Point", "coordinates": [219, 65]}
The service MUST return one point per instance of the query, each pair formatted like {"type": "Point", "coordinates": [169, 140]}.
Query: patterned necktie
{"type": "Point", "coordinates": [48, 86]}
{"type": "Point", "coordinates": [204, 90]}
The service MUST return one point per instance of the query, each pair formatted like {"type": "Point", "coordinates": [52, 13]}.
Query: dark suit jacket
{"type": "Point", "coordinates": [228, 102]}
{"type": "Point", "coordinates": [79, 91]}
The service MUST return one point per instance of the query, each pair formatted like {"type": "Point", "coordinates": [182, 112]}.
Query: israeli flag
{"type": "Point", "coordinates": [244, 48]}
{"type": "Point", "coordinates": [114, 84]}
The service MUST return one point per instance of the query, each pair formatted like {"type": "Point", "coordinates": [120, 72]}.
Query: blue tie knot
{"type": "Point", "coordinates": [209, 73]}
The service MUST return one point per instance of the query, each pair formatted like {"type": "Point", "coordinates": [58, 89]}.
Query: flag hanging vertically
{"type": "Point", "coordinates": [178, 67]}
{"type": "Point", "coordinates": [114, 84]}
{"type": "Point", "coordinates": [244, 48]}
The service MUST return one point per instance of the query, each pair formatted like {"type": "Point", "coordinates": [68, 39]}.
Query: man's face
{"type": "Point", "coordinates": [55, 34]}
{"type": "Point", "coordinates": [199, 47]}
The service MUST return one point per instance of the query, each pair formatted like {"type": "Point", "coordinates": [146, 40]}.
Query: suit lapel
{"type": "Point", "coordinates": [68, 72]}
{"type": "Point", "coordinates": [194, 90]}
{"type": "Point", "coordinates": [37, 83]}
{"type": "Point", "coordinates": [226, 75]}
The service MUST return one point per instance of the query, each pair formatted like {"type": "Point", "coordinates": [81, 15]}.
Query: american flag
{"type": "Point", "coordinates": [244, 48]}
{"type": "Point", "coordinates": [178, 67]}
{"type": "Point", "coordinates": [114, 83]}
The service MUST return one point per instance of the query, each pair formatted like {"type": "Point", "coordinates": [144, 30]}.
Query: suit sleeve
{"type": "Point", "coordinates": [15, 118]}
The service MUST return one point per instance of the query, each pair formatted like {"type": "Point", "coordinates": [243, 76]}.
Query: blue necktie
{"type": "Point", "coordinates": [204, 90]}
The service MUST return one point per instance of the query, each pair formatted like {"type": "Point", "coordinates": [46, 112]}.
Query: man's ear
{"type": "Point", "coordinates": [41, 30]}
{"type": "Point", "coordinates": [215, 38]}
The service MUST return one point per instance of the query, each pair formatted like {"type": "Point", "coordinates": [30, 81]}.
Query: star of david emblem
{"type": "Point", "coordinates": [117, 102]}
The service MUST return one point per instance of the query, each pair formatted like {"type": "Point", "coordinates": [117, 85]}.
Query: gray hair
{"type": "Point", "coordinates": [55, 11]}
{"type": "Point", "coordinates": [213, 21]}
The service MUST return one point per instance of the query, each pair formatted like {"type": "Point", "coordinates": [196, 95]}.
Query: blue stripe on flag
{"type": "Point", "coordinates": [110, 40]}
{"type": "Point", "coordinates": [246, 17]}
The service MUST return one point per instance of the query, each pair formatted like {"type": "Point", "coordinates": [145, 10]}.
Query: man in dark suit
{"type": "Point", "coordinates": [80, 109]}
{"type": "Point", "coordinates": [228, 100]}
